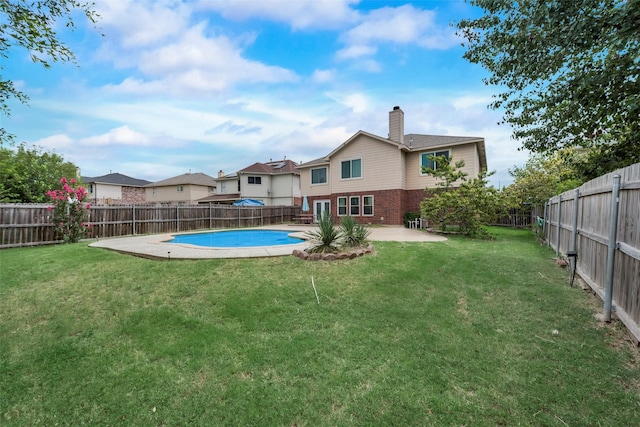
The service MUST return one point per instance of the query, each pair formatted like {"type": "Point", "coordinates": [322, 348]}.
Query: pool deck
{"type": "Point", "coordinates": [156, 247]}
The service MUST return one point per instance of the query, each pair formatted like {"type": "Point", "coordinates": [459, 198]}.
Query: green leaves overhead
{"type": "Point", "coordinates": [569, 70]}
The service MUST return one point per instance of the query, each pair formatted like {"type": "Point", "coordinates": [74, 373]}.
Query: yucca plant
{"type": "Point", "coordinates": [354, 234]}
{"type": "Point", "coordinates": [328, 238]}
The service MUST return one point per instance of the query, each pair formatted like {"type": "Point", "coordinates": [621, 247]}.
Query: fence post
{"type": "Point", "coordinates": [611, 250]}
{"type": "Point", "coordinates": [133, 221]}
{"type": "Point", "coordinates": [210, 217]}
{"type": "Point", "coordinates": [558, 226]}
{"type": "Point", "coordinates": [177, 217]}
{"type": "Point", "coordinates": [544, 221]}
{"type": "Point", "coordinates": [571, 253]}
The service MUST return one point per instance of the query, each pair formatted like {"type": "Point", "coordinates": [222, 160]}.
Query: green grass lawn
{"type": "Point", "coordinates": [452, 333]}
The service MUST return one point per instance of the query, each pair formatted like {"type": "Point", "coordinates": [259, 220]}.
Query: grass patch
{"type": "Point", "coordinates": [452, 333]}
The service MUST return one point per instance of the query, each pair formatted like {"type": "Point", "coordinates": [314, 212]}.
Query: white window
{"type": "Point", "coordinates": [367, 205]}
{"type": "Point", "coordinates": [351, 169]}
{"type": "Point", "coordinates": [427, 162]}
{"type": "Point", "coordinates": [342, 206]}
{"type": "Point", "coordinates": [223, 187]}
{"type": "Point", "coordinates": [180, 188]}
{"type": "Point", "coordinates": [354, 206]}
{"type": "Point", "coordinates": [319, 176]}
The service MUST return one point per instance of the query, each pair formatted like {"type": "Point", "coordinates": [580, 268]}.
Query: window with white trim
{"type": "Point", "coordinates": [354, 206]}
{"type": "Point", "coordinates": [180, 188]}
{"type": "Point", "coordinates": [367, 205]}
{"type": "Point", "coordinates": [319, 176]}
{"type": "Point", "coordinates": [351, 169]}
{"type": "Point", "coordinates": [342, 206]}
{"type": "Point", "coordinates": [255, 180]}
{"type": "Point", "coordinates": [430, 163]}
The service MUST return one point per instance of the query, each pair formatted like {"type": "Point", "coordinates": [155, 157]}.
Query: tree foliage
{"type": "Point", "coordinates": [470, 205]}
{"type": "Point", "coordinates": [26, 174]}
{"type": "Point", "coordinates": [544, 176]}
{"type": "Point", "coordinates": [32, 25]}
{"type": "Point", "coordinates": [570, 71]}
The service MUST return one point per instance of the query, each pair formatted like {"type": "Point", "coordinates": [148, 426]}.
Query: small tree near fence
{"type": "Point", "coordinates": [468, 205]}
{"type": "Point", "coordinates": [69, 210]}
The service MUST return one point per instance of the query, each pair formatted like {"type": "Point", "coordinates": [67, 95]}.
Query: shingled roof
{"type": "Point", "coordinates": [116, 179]}
{"type": "Point", "coordinates": [272, 168]}
{"type": "Point", "coordinates": [197, 178]}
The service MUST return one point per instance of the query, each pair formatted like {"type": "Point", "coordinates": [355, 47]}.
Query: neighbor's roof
{"type": "Point", "coordinates": [272, 168]}
{"type": "Point", "coordinates": [115, 178]}
{"type": "Point", "coordinates": [197, 178]}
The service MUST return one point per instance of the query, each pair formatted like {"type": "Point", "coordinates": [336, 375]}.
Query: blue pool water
{"type": "Point", "coordinates": [237, 238]}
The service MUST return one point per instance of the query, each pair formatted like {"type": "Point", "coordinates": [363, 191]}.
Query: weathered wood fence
{"type": "Point", "coordinates": [30, 224]}
{"type": "Point", "coordinates": [597, 226]}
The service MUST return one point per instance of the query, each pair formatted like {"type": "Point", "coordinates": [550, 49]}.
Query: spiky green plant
{"type": "Point", "coordinates": [355, 235]}
{"type": "Point", "coordinates": [328, 238]}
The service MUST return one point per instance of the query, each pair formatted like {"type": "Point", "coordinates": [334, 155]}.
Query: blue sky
{"type": "Point", "coordinates": [203, 86]}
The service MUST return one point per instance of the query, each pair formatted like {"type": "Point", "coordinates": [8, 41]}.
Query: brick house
{"type": "Point", "coordinates": [376, 179]}
{"type": "Point", "coordinates": [114, 189]}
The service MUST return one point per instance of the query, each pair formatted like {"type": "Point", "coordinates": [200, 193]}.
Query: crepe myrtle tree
{"type": "Point", "coordinates": [469, 205]}
{"type": "Point", "coordinates": [69, 210]}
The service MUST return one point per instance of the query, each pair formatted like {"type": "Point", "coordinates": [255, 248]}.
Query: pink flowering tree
{"type": "Point", "coordinates": [69, 210]}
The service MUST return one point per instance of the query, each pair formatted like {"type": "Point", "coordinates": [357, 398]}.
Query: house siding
{"type": "Point", "coordinates": [381, 163]}
{"type": "Point", "coordinates": [466, 152]}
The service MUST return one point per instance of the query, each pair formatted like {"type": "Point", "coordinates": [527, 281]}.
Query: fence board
{"type": "Point", "coordinates": [30, 224]}
{"type": "Point", "coordinates": [593, 224]}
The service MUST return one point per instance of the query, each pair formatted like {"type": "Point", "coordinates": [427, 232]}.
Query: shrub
{"type": "Point", "coordinates": [69, 211]}
{"type": "Point", "coordinates": [328, 238]}
{"type": "Point", "coordinates": [355, 235]}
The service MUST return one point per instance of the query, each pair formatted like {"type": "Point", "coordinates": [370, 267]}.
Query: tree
{"type": "Point", "coordinates": [31, 25]}
{"type": "Point", "coordinates": [470, 205]}
{"type": "Point", "coordinates": [27, 173]}
{"type": "Point", "coordinates": [545, 176]}
{"type": "Point", "coordinates": [570, 70]}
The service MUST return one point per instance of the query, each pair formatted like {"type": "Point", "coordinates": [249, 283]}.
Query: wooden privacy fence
{"type": "Point", "coordinates": [597, 226]}
{"type": "Point", "coordinates": [30, 224]}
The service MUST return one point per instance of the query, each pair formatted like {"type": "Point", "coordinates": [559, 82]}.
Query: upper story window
{"type": "Point", "coordinates": [223, 187]}
{"type": "Point", "coordinates": [430, 163]}
{"type": "Point", "coordinates": [180, 188]}
{"type": "Point", "coordinates": [351, 169]}
{"type": "Point", "coordinates": [255, 180]}
{"type": "Point", "coordinates": [212, 190]}
{"type": "Point", "coordinates": [319, 176]}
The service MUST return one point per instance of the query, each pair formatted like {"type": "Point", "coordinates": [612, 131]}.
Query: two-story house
{"type": "Point", "coordinates": [377, 179]}
{"type": "Point", "coordinates": [275, 183]}
{"type": "Point", "coordinates": [185, 189]}
{"type": "Point", "coordinates": [114, 189]}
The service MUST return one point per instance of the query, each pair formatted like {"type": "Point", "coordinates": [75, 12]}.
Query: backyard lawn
{"type": "Point", "coordinates": [462, 332]}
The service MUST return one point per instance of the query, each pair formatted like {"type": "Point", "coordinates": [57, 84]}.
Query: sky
{"type": "Point", "coordinates": [163, 88]}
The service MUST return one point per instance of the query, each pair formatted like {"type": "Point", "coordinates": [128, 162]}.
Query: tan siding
{"type": "Point", "coordinates": [313, 190]}
{"type": "Point", "coordinates": [466, 152]}
{"type": "Point", "coordinates": [381, 166]}
{"type": "Point", "coordinates": [168, 194]}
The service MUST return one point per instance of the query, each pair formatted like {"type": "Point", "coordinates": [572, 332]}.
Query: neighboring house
{"type": "Point", "coordinates": [114, 189]}
{"type": "Point", "coordinates": [276, 183]}
{"type": "Point", "coordinates": [181, 189]}
{"type": "Point", "coordinates": [376, 179]}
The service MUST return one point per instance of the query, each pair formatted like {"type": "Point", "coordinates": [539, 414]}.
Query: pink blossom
{"type": "Point", "coordinates": [63, 180]}
{"type": "Point", "coordinates": [49, 208]}
{"type": "Point", "coordinates": [72, 181]}
{"type": "Point", "coordinates": [88, 206]}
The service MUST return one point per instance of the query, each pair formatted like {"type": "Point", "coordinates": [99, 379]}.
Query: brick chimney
{"type": "Point", "coordinates": [396, 125]}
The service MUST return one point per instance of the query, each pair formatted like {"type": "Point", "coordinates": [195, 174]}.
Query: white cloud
{"type": "Point", "coordinates": [299, 14]}
{"type": "Point", "coordinates": [355, 51]}
{"type": "Point", "coordinates": [118, 136]}
{"type": "Point", "coordinates": [323, 76]}
{"type": "Point", "coordinates": [196, 65]}
{"type": "Point", "coordinates": [403, 25]}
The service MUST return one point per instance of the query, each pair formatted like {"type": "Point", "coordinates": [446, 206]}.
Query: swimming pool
{"type": "Point", "coordinates": [237, 238]}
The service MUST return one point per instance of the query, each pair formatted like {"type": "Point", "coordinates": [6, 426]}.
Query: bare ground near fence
{"type": "Point", "coordinates": [30, 224]}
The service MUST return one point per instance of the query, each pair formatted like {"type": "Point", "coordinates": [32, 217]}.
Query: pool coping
{"type": "Point", "coordinates": [155, 246]}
